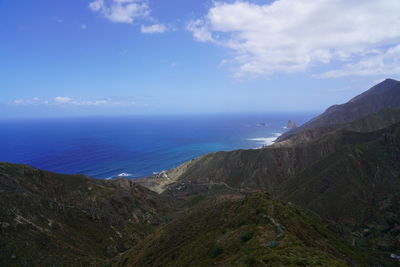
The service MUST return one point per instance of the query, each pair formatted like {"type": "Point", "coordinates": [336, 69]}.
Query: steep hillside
{"type": "Point", "coordinates": [252, 231]}
{"type": "Point", "coordinates": [357, 186]}
{"type": "Point", "coordinates": [360, 173]}
{"type": "Point", "coordinates": [371, 122]}
{"type": "Point", "coordinates": [261, 169]}
{"type": "Point", "coordinates": [383, 95]}
{"type": "Point", "coordinates": [47, 219]}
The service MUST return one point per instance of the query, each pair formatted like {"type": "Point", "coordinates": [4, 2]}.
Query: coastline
{"type": "Point", "coordinates": [131, 147]}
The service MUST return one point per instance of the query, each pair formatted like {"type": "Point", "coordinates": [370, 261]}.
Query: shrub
{"type": "Point", "coordinates": [216, 251]}
{"type": "Point", "coordinates": [246, 237]}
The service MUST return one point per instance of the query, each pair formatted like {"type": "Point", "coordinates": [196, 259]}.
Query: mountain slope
{"type": "Point", "coordinates": [383, 95]}
{"type": "Point", "coordinates": [372, 122]}
{"type": "Point", "coordinates": [251, 231]}
{"type": "Point", "coordinates": [361, 173]}
{"type": "Point", "coordinates": [47, 219]}
{"type": "Point", "coordinates": [358, 187]}
{"type": "Point", "coordinates": [371, 160]}
{"type": "Point", "coordinates": [351, 178]}
{"type": "Point", "coordinates": [258, 168]}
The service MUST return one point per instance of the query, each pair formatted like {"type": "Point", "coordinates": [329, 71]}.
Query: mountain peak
{"type": "Point", "coordinates": [385, 83]}
{"type": "Point", "coordinates": [390, 80]}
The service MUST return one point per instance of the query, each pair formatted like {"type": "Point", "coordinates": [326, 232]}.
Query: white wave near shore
{"type": "Point", "coordinates": [266, 141]}
{"type": "Point", "coordinates": [121, 175]}
{"type": "Point", "coordinates": [124, 174]}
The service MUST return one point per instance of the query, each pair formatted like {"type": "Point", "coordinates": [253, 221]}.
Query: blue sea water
{"type": "Point", "coordinates": [133, 146]}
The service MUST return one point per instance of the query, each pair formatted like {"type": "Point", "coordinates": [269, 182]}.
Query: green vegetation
{"type": "Point", "coordinates": [216, 251]}
{"type": "Point", "coordinates": [246, 237]}
{"type": "Point", "coordinates": [47, 219]}
{"type": "Point", "coordinates": [236, 233]}
{"type": "Point", "coordinates": [323, 175]}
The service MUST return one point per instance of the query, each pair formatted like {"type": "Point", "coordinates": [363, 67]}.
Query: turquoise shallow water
{"type": "Point", "coordinates": [135, 146]}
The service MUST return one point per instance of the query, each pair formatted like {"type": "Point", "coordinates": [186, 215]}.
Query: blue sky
{"type": "Point", "coordinates": [93, 57]}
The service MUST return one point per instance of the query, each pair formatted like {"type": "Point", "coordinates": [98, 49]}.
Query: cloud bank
{"type": "Point", "coordinates": [68, 101]}
{"type": "Point", "coordinates": [362, 37]}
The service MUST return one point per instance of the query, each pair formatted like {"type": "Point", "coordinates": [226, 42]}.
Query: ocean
{"type": "Point", "coordinates": [133, 146]}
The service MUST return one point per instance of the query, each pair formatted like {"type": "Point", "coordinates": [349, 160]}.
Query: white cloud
{"type": "Point", "coordinates": [293, 35]}
{"type": "Point", "coordinates": [200, 31]}
{"type": "Point", "coordinates": [96, 5]}
{"type": "Point", "coordinates": [382, 63]}
{"type": "Point", "coordinates": [121, 11]}
{"type": "Point", "coordinates": [68, 101]}
{"type": "Point", "coordinates": [18, 101]}
{"type": "Point", "coordinates": [63, 100]}
{"type": "Point", "coordinates": [96, 103]}
{"type": "Point", "coordinates": [83, 27]}
{"type": "Point", "coordinates": [155, 28]}
{"type": "Point", "coordinates": [25, 102]}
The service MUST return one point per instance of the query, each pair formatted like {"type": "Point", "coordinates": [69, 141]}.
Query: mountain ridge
{"type": "Point", "coordinates": [383, 95]}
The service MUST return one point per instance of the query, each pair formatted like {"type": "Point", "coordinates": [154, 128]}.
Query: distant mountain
{"type": "Point", "coordinates": [255, 230]}
{"type": "Point", "coordinates": [49, 219]}
{"type": "Point", "coordinates": [383, 95]}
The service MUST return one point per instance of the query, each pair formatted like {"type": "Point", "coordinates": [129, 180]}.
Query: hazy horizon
{"type": "Point", "coordinates": [69, 114]}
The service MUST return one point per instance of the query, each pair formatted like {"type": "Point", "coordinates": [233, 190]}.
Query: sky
{"type": "Point", "coordinates": [117, 57]}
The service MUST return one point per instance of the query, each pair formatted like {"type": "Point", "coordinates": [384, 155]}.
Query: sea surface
{"type": "Point", "coordinates": [133, 146]}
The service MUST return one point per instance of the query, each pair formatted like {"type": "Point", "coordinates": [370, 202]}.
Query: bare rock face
{"type": "Point", "coordinates": [291, 125]}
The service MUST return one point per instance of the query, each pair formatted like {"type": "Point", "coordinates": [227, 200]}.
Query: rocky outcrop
{"type": "Point", "coordinates": [291, 125]}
